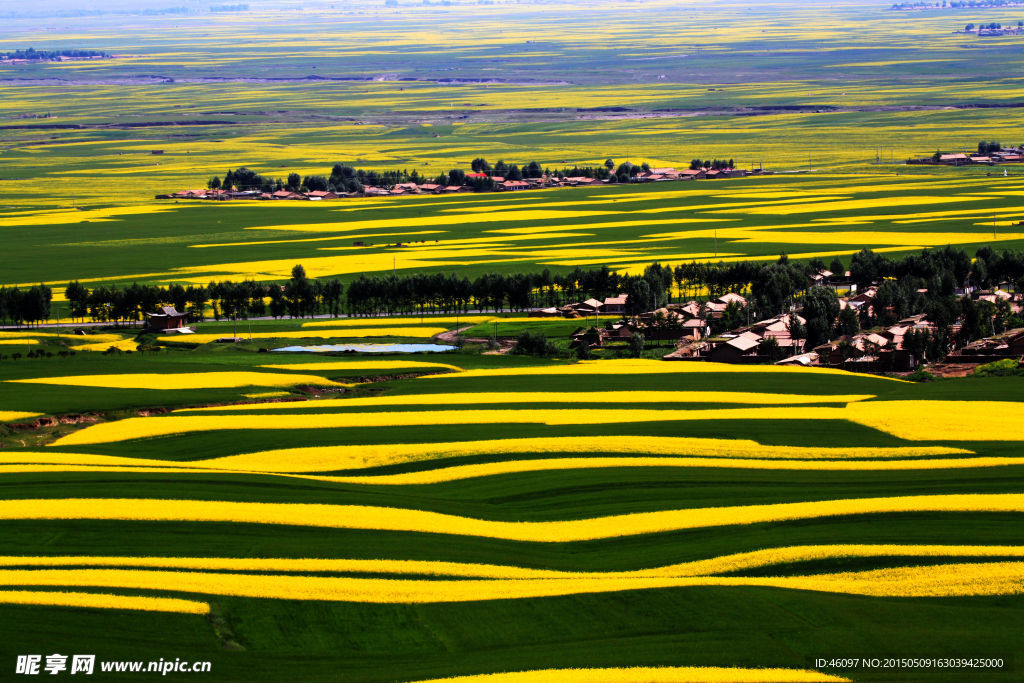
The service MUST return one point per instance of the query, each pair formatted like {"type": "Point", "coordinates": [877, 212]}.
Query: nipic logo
{"type": "Point", "coordinates": [56, 663]}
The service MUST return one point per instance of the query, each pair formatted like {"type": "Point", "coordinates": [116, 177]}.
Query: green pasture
{"type": "Point", "coordinates": [665, 627]}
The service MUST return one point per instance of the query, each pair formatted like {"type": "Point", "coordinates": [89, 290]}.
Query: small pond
{"type": "Point", "coordinates": [371, 348]}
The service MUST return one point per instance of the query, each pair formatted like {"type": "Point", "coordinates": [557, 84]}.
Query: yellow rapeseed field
{"type": "Point", "coordinates": [328, 458]}
{"type": "Point", "coordinates": [662, 674]}
{"type": "Point", "coordinates": [136, 428]}
{"type": "Point", "coordinates": [467, 471]}
{"type": "Point", "coordinates": [940, 580]}
{"type": "Point", "coordinates": [419, 332]}
{"type": "Point", "coordinates": [12, 415]}
{"type": "Point", "coordinates": [644, 366]}
{"type": "Point", "coordinates": [124, 344]}
{"type": "Point", "coordinates": [397, 519]}
{"type": "Point", "coordinates": [103, 601]}
{"type": "Point", "coordinates": [190, 380]}
{"type": "Point", "coordinates": [757, 559]}
{"type": "Point", "coordinates": [944, 420]}
{"type": "Point", "coordinates": [458, 472]}
{"type": "Point", "coordinates": [401, 322]}
{"type": "Point", "coordinates": [912, 420]}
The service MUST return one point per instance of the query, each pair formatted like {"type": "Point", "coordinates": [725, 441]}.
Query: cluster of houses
{"type": "Point", "coordinates": [14, 61]}
{"type": "Point", "coordinates": [1007, 155]}
{"type": "Point", "coordinates": [223, 195]}
{"type": "Point", "coordinates": [993, 30]}
{"type": "Point", "coordinates": [689, 325]}
{"type": "Point", "coordinates": [1008, 345]}
{"type": "Point", "coordinates": [500, 184]}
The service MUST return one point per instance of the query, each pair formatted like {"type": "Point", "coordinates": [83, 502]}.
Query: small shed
{"type": "Point", "coordinates": [167, 319]}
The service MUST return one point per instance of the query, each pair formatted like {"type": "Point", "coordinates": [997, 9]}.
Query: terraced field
{"type": "Point", "coordinates": [472, 517]}
{"type": "Point", "coordinates": [625, 227]}
{"type": "Point", "coordinates": [599, 515]}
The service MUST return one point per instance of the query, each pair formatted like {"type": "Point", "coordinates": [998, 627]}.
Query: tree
{"type": "Point", "coordinates": [848, 323]}
{"type": "Point", "coordinates": [293, 183]}
{"type": "Point", "coordinates": [769, 348]}
{"type": "Point", "coordinates": [866, 267]}
{"type": "Point", "coordinates": [78, 299]}
{"type": "Point", "coordinates": [213, 183]}
{"type": "Point", "coordinates": [315, 183]}
{"type": "Point", "coordinates": [299, 293]}
{"type": "Point", "coordinates": [636, 345]}
{"type": "Point", "coordinates": [797, 330]}
{"type": "Point", "coordinates": [821, 308]}
{"type": "Point", "coordinates": [638, 296]}
{"type": "Point", "coordinates": [534, 344]}
{"type": "Point", "coordinates": [609, 164]}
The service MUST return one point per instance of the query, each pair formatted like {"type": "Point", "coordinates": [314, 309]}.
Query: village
{"type": "Point", "coordinates": [694, 332]}
{"type": "Point", "coordinates": [497, 183]}
{"type": "Point", "coordinates": [985, 156]}
{"type": "Point", "coordinates": [993, 29]}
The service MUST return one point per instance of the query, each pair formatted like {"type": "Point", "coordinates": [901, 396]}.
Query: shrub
{"type": "Point", "coordinates": [531, 344]}
{"type": "Point", "coordinates": [921, 375]}
{"type": "Point", "coordinates": [1000, 368]}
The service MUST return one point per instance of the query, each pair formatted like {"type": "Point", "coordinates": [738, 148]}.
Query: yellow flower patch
{"type": "Point", "coordinates": [458, 472]}
{"type": "Point", "coordinates": [662, 674]}
{"type": "Point", "coordinates": [401, 322]}
{"type": "Point", "coordinates": [653, 367]}
{"type": "Point", "coordinates": [419, 521]}
{"type": "Point", "coordinates": [327, 458]}
{"type": "Point", "coordinates": [912, 420]}
{"type": "Point", "coordinates": [757, 559]}
{"type": "Point", "coordinates": [12, 415]}
{"type": "Point", "coordinates": [317, 333]}
{"type": "Point", "coordinates": [941, 580]}
{"type": "Point", "coordinates": [943, 420]}
{"type": "Point", "coordinates": [103, 601]}
{"type": "Point", "coordinates": [120, 344]}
